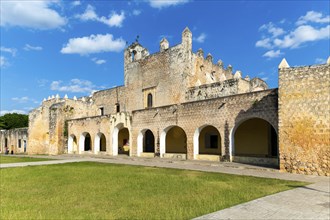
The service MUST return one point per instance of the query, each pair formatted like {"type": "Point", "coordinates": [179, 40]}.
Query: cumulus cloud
{"type": "Point", "coordinates": [113, 20]}
{"type": "Point", "coordinates": [302, 34]}
{"type": "Point", "coordinates": [272, 54]}
{"type": "Point", "coordinates": [98, 61]}
{"type": "Point", "coordinates": [24, 99]}
{"type": "Point", "coordinates": [136, 12]}
{"type": "Point", "coordinates": [201, 38]}
{"type": "Point", "coordinates": [93, 44]}
{"type": "Point", "coordinates": [166, 3]}
{"type": "Point", "coordinates": [28, 47]}
{"type": "Point", "coordinates": [31, 14]}
{"type": "Point", "coordinates": [275, 38]}
{"type": "Point", "coordinates": [272, 29]}
{"type": "Point", "coordinates": [313, 16]}
{"type": "Point", "coordinates": [12, 51]}
{"type": "Point", "coordinates": [76, 3]}
{"type": "Point", "coordinates": [3, 112]}
{"type": "Point", "coordinates": [75, 85]}
{"type": "Point", "coordinates": [3, 61]}
{"type": "Point", "coordinates": [21, 100]}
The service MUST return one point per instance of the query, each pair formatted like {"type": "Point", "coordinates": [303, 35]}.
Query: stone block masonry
{"type": "Point", "coordinates": [304, 119]}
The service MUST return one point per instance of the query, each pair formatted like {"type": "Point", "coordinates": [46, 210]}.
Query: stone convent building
{"type": "Point", "coordinates": [178, 103]}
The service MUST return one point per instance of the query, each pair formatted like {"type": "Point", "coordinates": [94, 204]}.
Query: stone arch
{"type": "Point", "coordinates": [85, 142]}
{"type": "Point", "coordinates": [146, 142]}
{"type": "Point", "coordinates": [72, 144]}
{"type": "Point", "coordinates": [173, 140]}
{"type": "Point", "coordinates": [100, 143]}
{"type": "Point", "coordinates": [207, 140]}
{"type": "Point", "coordinates": [254, 137]}
{"type": "Point", "coordinates": [120, 140]}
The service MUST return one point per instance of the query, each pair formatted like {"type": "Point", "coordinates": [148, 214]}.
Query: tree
{"type": "Point", "coordinates": [14, 120]}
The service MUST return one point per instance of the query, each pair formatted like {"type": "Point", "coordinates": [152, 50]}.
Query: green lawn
{"type": "Point", "coordinates": [105, 191]}
{"type": "Point", "coordinates": [13, 159]}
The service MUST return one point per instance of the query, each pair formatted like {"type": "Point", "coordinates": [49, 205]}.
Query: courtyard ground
{"type": "Point", "coordinates": [309, 202]}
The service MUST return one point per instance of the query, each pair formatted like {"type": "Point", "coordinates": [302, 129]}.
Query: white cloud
{"type": "Point", "coordinates": [275, 38]}
{"type": "Point", "coordinates": [3, 112]}
{"type": "Point", "coordinates": [313, 16]}
{"type": "Point", "coordinates": [3, 61]}
{"type": "Point", "coordinates": [166, 3]}
{"type": "Point", "coordinates": [12, 51]}
{"type": "Point", "coordinates": [136, 12]}
{"type": "Point", "coordinates": [28, 47]}
{"type": "Point", "coordinates": [302, 34]}
{"type": "Point", "coordinates": [93, 44]}
{"type": "Point", "coordinates": [76, 3]}
{"type": "Point", "coordinates": [31, 14]}
{"type": "Point", "coordinates": [265, 43]}
{"type": "Point", "coordinates": [272, 54]}
{"type": "Point", "coordinates": [98, 61]}
{"type": "Point", "coordinates": [89, 14]}
{"type": "Point", "coordinates": [320, 61]}
{"type": "Point", "coordinates": [272, 29]}
{"type": "Point", "coordinates": [75, 85]}
{"type": "Point", "coordinates": [114, 19]}
{"type": "Point", "coordinates": [21, 100]}
{"type": "Point", "coordinates": [201, 38]}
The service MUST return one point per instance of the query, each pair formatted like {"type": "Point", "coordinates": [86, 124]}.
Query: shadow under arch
{"type": "Point", "coordinates": [85, 142]}
{"type": "Point", "coordinates": [207, 140]}
{"type": "Point", "coordinates": [120, 140]}
{"type": "Point", "coordinates": [145, 142]}
{"type": "Point", "coordinates": [253, 138]}
{"type": "Point", "coordinates": [173, 140]}
{"type": "Point", "coordinates": [100, 143]}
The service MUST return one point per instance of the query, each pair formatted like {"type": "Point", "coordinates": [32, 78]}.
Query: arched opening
{"type": "Point", "coordinates": [149, 142]}
{"type": "Point", "coordinates": [6, 143]}
{"type": "Point", "coordinates": [149, 104]}
{"type": "Point", "coordinates": [72, 144]}
{"type": "Point", "coordinates": [100, 143]}
{"type": "Point", "coordinates": [87, 142]}
{"type": "Point", "coordinates": [103, 143]}
{"type": "Point", "coordinates": [176, 141]}
{"type": "Point", "coordinates": [209, 141]}
{"type": "Point", "coordinates": [255, 138]}
{"type": "Point", "coordinates": [123, 141]}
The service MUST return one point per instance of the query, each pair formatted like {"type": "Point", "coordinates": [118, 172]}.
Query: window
{"type": "Point", "coordinates": [19, 143]}
{"type": "Point", "coordinates": [102, 111]}
{"type": "Point", "coordinates": [211, 141]}
{"type": "Point", "coordinates": [117, 107]}
{"type": "Point", "coordinates": [149, 105]}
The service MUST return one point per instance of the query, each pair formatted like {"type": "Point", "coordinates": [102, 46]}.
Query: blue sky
{"type": "Point", "coordinates": [51, 47]}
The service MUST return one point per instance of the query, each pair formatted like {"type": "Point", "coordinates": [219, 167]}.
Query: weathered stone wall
{"type": "Point", "coordinates": [46, 123]}
{"type": "Point", "coordinates": [223, 113]}
{"type": "Point", "coordinates": [16, 140]}
{"type": "Point", "coordinates": [96, 125]}
{"type": "Point", "coordinates": [108, 99]}
{"type": "Point", "coordinates": [304, 119]}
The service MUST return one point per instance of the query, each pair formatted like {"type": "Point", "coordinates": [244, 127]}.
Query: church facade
{"type": "Point", "coordinates": [179, 104]}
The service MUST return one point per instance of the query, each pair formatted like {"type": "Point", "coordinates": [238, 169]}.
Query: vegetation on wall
{"type": "Point", "coordinates": [14, 120]}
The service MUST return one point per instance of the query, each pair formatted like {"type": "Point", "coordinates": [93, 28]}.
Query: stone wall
{"type": "Point", "coordinates": [14, 139]}
{"type": "Point", "coordinates": [47, 123]}
{"type": "Point", "coordinates": [223, 113]}
{"type": "Point", "coordinates": [304, 119]}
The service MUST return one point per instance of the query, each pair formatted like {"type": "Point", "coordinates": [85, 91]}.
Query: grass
{"type": "Point", "coordinates": [13, 159]}
{"type": "Point", "coordinates": [89, 190]}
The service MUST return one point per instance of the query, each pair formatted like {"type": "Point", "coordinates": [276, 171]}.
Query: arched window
{"type": "Point", "coordinates": [149, 100]}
